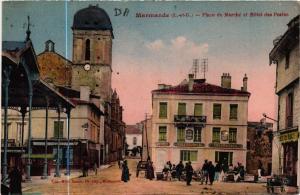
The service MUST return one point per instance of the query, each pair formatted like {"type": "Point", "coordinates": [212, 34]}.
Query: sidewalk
{"type": "Point", "coordinates": [75, 173]}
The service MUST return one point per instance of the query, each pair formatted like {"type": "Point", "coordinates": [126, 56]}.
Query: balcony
{"type": "Point", "coordinates": [190, 119]}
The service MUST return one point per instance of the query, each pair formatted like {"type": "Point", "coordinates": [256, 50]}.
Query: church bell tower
{"type": "Point", "coordinates": [92, 51]}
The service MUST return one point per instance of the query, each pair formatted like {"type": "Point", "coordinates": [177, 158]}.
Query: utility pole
{"type": "Point", "coordinates": [146, 118]}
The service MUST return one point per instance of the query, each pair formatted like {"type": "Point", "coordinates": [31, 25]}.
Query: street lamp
{"type": "Point", "coordinates": [278, 145]}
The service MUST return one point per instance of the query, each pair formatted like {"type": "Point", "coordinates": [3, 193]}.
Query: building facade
{"type": "Point", "coordinates": [133, 136]}
{"type": "Point", "coordinates": [97, 130]}
{"type": "Point", "coordinates": [195, 120]}
{"type": "Point", "coordinates": [259, 147]}
{"type": "Point", "coordinates": [285, 54]}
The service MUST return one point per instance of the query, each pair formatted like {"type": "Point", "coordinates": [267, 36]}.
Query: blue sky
{"type": "Point", "coordinates": [161, 50]}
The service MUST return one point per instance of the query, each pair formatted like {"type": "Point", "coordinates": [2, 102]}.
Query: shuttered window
{"type": "Point", "coordinates": [232, 135]}
{"type": "Point", "coordinates": [197, 134]}
{"type": "Point", "coordinates": [217, 109]}
{"type": "Point", "coordinates": [162, 134]}
{"type": "Point", "coordinates": [188, 155]}
{"type": "Point", "coordinates": [198, 110]}
{"type": "Point", "coordinates": [181, 108]}
{"type": "Point", "coordinates": [58, 129]}
{"type": "Point", "coordinates": [233, 112]}
{"type": "Point", "coordinates": [163, 109]}
{"type": "Point", "coordinates": [180, 134]}
{"type": "Point", "coordinates": [216, 134]}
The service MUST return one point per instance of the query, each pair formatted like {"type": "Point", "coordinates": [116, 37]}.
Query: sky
{"type": "Point", "coordinates": [153, 50]}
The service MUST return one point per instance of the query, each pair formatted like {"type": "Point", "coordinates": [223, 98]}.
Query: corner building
{"type": "Point", "coordinates": [195, 120]}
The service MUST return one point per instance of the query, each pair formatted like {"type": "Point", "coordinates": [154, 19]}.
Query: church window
{"type": "Point", "coordinates": [87, 50]}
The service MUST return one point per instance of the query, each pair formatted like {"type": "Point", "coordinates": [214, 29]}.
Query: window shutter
{"type": "Point", "coordinates": [198, 110]}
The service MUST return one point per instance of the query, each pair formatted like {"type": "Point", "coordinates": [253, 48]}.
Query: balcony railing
{"type": "Point", "coordinates": [189, 119]}
{"type": "Point", "coordinates": [289, 121]}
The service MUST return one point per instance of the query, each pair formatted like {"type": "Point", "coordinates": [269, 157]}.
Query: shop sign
{"type": "Point", "coordinates": [289, 137]}
{"type": "Point", "coordinates": [38, 156]}
{"type": "Point", "coordinates": [184, 144]}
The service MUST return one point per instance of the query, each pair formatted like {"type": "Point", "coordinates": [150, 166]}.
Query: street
{"type": "Point", "coordinates": [108, 182]}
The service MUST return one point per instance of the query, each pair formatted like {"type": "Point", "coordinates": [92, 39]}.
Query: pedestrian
{"type": "Point", "coordinates": [205, 171]}
{"type": "Point", "coordinates": [217, 171]}
{"type": "Point", "coordinates": [211, 172]}
{"type": "Point", "coordinates": [86, 168]}
{"type": "Point", "coordinates": [95, 168]}
{"type": "Point", "coordinates": [260, 167]}
{"type": "Point", "coordinates": [189, 173]}
{"type": "Point", "coordinates": [125, 172]}
{"type": "Point", "coordinates": [179, 169]}
{"type": "Point", "coordinates": [15, 177]}
{"type": "Point", "coordinates": [150, 170]}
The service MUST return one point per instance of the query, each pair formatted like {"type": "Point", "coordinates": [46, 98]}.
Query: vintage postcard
{"type": "Point", "coordinates": [127, 97]}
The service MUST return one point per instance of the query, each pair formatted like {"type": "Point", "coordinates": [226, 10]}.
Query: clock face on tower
{"type": "Point", "coordinates": [87, 67]}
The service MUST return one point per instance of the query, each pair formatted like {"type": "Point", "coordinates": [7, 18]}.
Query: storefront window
{"type": "Point", "coordinates": [188, 155]}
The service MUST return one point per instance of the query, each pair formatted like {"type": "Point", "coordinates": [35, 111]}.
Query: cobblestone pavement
{"type": "Point", "coordinates": [108, 182]}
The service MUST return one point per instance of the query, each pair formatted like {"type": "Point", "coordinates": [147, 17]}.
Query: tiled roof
{"type": "Point", "coordinates": [132, 129]}
{"type": "Point", "coordinates": [202, 89]}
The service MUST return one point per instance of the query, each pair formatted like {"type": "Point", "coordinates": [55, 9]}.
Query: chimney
{"type": "Point", "coordinates": [226, 80]}
{"type": "Point", "coordinates": [191, 82]}
{"type": "Point", "coordinates": [85, 93]}
{"type": "Point", "coordinates": [161, 86]}
{"type": "Point", "coordinates": [245, 79]}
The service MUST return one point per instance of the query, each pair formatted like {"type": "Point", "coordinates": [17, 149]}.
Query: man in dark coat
{"type": "Point", "coordinates": [15, 177]}
{"type": "Point", "coordinates": [150, 170]}
{"type": "Point", "coordinates": [125, 172]}
{"type": "Point", "coordinates": [189, 173]}
{"type": "Point", "coordinates": [179, 169]}
{"type": "Point", "coordinates": [211, 172]}
{"type": "Point", "coordinates": [205, 171]}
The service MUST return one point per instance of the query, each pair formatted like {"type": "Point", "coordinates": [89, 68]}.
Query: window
{"type": "Point", "coordinates": [162, 134]}
{"type": "Point", "coordinates": [198, 110]}
{"type": "Point", "coordinates": [188, 155]}
{"type": "Point", "coordinates": [163, 109]}
{"type": "Point", "coordinates": [233, 112]}
{"type": "Point", "coordinates": [216, 134]}
{"type": "Point", "coordinates": [87, 49]}
{"type": "Point", "coordinates": [180, 134]}
{"type": "Point", "coordinates": [197, 134]}
{"type": "Point", "coordinates": [181, 109]}
{"type": "Point", "coordinates": [232, 135]}
{"type": "Point", "coordinates": [217, 111]}
{"type": "Point", "coordinates": [289, 110]}
{"type": "Point", "coordinates": [134, 141]}
{"type": "Point", "coordinates": [287, 60]}
{"type": "Point", "coordinates": [58, 129]}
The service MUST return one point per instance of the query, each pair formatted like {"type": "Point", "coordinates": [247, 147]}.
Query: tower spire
{"type": "Point", "coordinates": [28, 32]}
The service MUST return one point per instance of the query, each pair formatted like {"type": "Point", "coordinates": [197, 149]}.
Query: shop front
{"type": "Point", "coordinates": [289, 141]}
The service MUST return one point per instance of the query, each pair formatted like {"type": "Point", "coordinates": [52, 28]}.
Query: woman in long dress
{"type": "Point", "coordinates": [125, 172]}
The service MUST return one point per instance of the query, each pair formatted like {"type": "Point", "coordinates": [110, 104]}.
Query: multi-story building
{"type": "Point", "coordinates": [195, 120]}
{"type": "Point", "coordinates": [133, 136]}
{"type": "Point", "coordinates": [285, 54]}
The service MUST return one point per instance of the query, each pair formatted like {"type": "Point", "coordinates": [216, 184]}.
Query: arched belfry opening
{"type": "Point", "coordinates": [49, 46]}
{"type": "Point", "coordinates": [87, 49]}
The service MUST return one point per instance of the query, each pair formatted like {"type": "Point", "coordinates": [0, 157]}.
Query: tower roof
{"type": "Point", "coordinates": [92, 18]}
